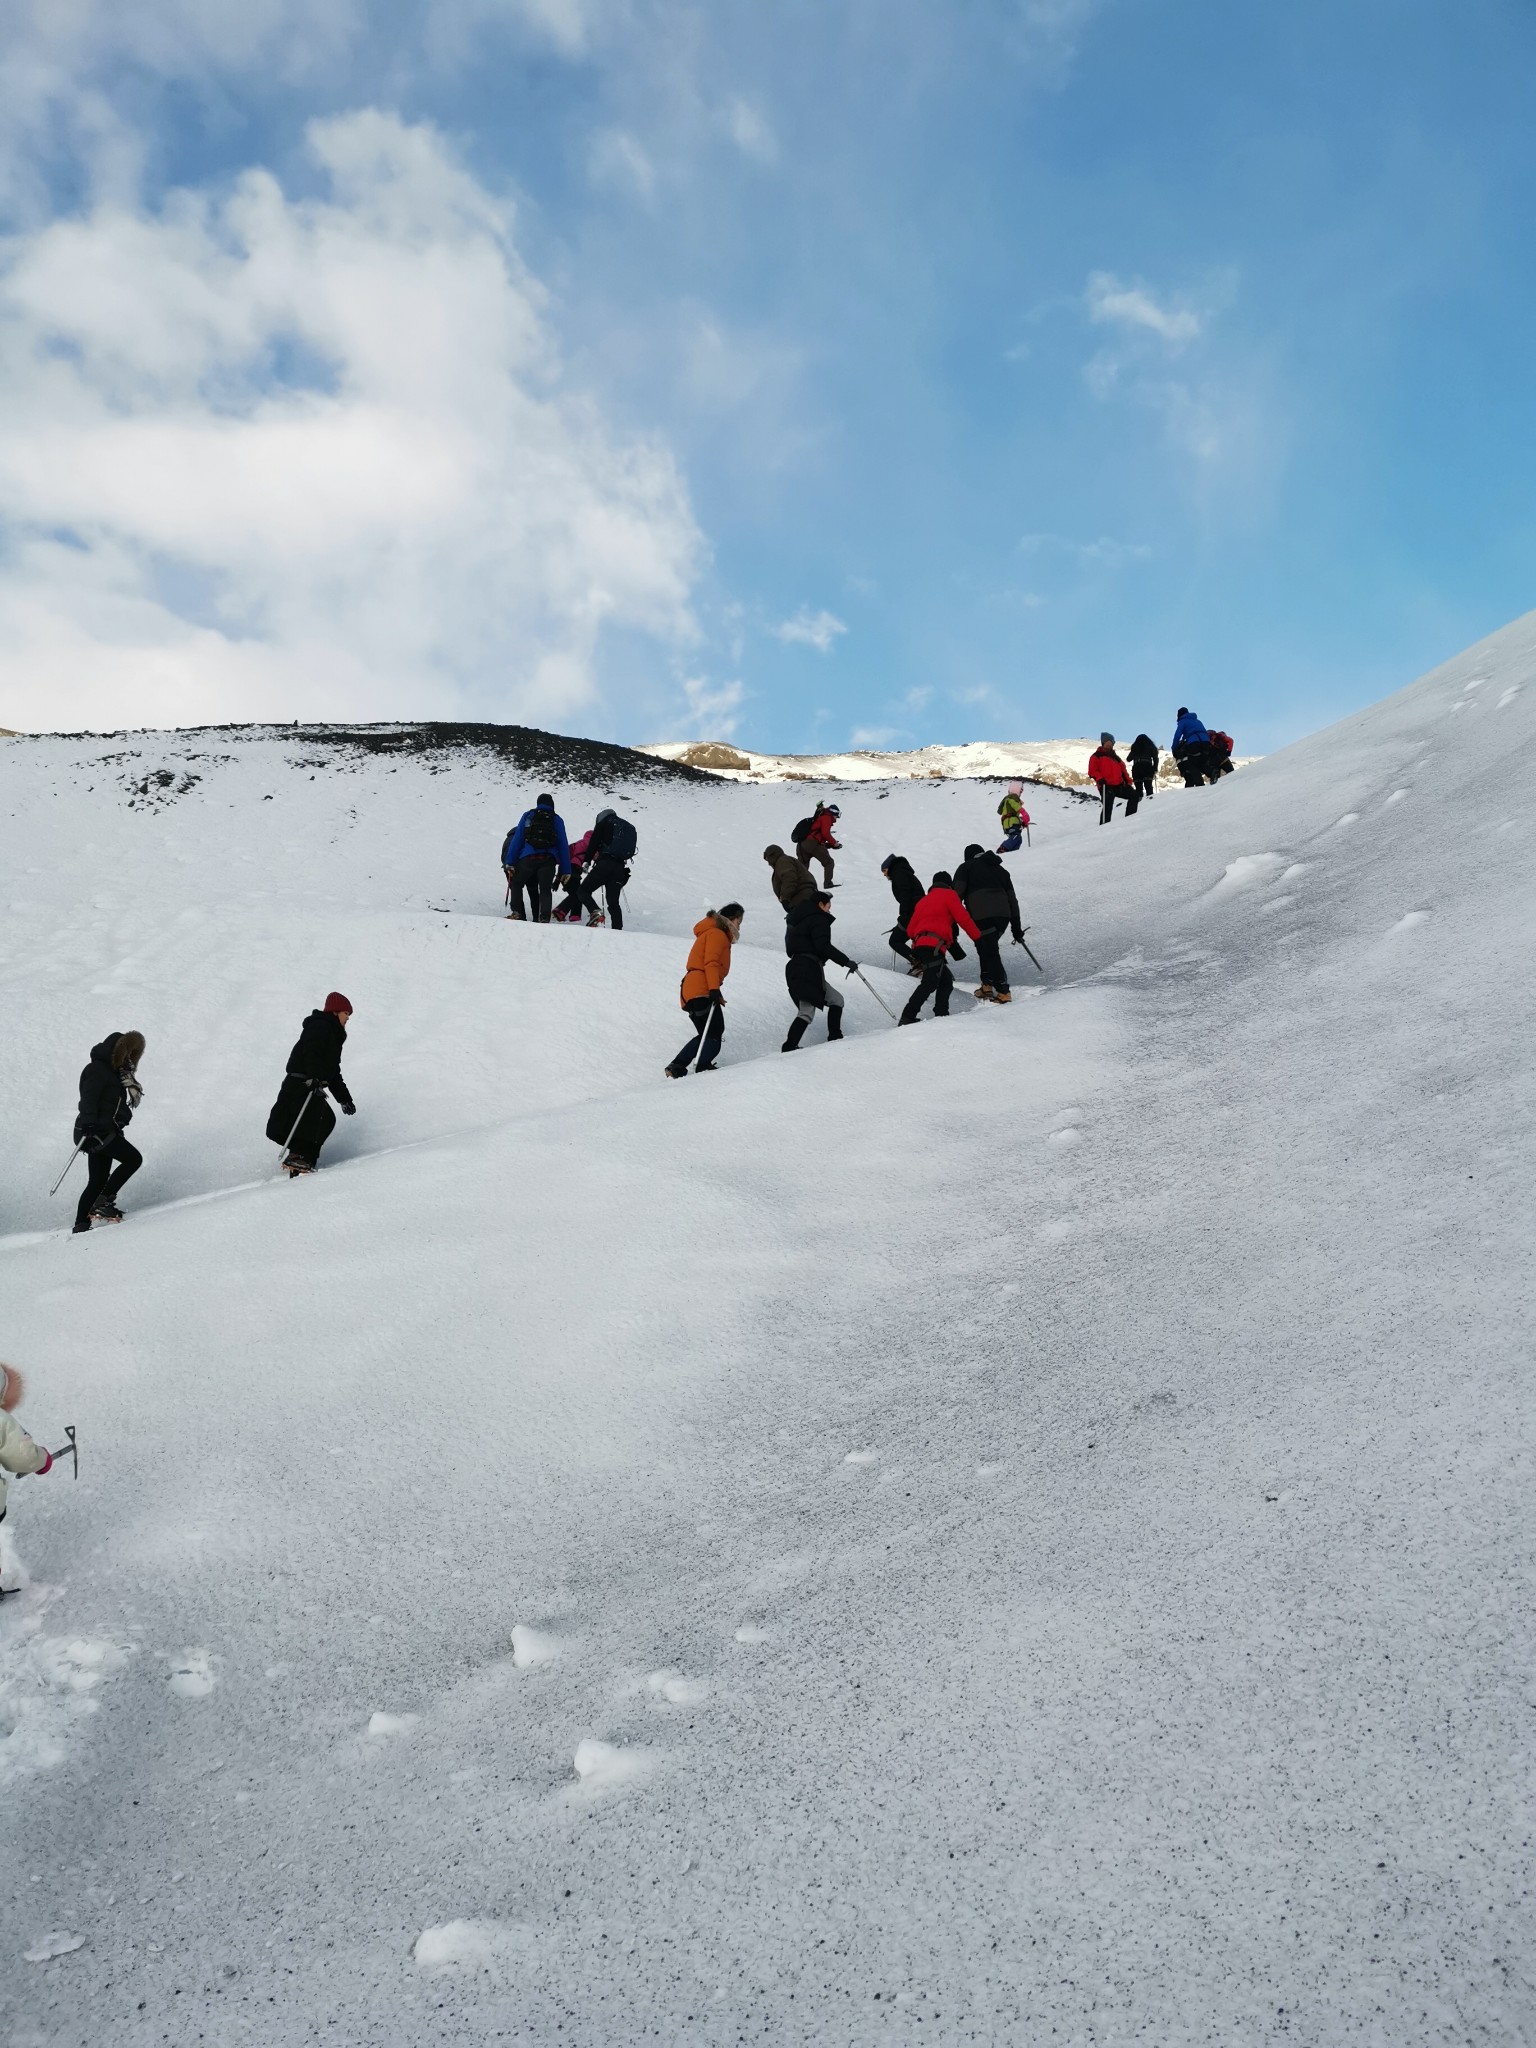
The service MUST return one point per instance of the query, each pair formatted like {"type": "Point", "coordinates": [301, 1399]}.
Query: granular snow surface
{"type": "Point", "coordinates": [1012, 1531]}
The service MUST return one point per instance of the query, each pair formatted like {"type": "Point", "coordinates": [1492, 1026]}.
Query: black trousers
{"type": "Point", "coordinates": [1144, 779]}
{"type": "Point", "coordinates": [1194, 763]}
{"type": "Point", "coordinates": [937, 982]}
{"type": "Point", "coordinates": [110, 1166]}
{"type": "Point", "coordinates": [311, 1129]}
{"type": "Point", "coordinates": [535, 872]}
{"type": "Point", "coordinates": [899, 944]}
{"type": "Point", "coordinates": [609, 876]}
{"type": "Point", "coordinates": [989, 955]}
{"type": "Point", "coordinates": [1108, 791]}
{"type": "Point", "coordinates": [708, 1021]}
{"type": "Point", "coordinates": [570, 903]}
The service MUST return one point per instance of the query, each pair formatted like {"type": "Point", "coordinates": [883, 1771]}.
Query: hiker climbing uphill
{"type": "Point", "coordinates": [1015, 818]}
{"type": "Point", "coordinates": [110, 1092]}
{"type": "Point", "coordinates": [808, 942]}
{"type": "Point", "coordinates": [1191, 748]}
{"type": "Point", "coordinates": [612, 847]}
{"type": "Point", "coordinates": [1113, 778]}
{"type": "Point", "coordinates": [908, 891]}
{"type": "Point", "coordinates": [568, 909]}
{"type": "Point", "coordinates": [793, 881]}
{"type": "Point", "coordinates": [986, 889]}
{"type": "Point", "coordinates": [301, 1118]}
{"type": "Point", "coordinates": [931, 933]}
{"type": "Point", "coordinates": [709, 962]}
{"type": "Point", "coordinates": [20, 1457]}
{"type": "Point", "coordinates": [536, 852]}
{"type": "Point", "coordinates": [1142, 757]}
{"type": "Point", "coordinates": [815, 838]}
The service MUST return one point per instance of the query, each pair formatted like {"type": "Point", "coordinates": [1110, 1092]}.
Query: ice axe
{"type": "Point", "coordinates": [304, 1110]}
{"type": "Point", "coordinates": [880, 999]}
{"type": "Point", "coordinates": [70, 1450]}
{"type": "Point", "coordinates": [1022, 941]}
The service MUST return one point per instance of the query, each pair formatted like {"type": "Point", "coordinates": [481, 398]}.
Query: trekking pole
{"type": "Point", "coordinates": [1025, 944]}
{"type": "Point", "coordinates": [1027, 840]}
{"type": "Point", "coordinates": [67, 1165]}
{"type": "Point", "coordinates": [880, 999]}
{"type": "Point", "coordinates": [309, 1098]}
{"type": "Point", "coordinates": [70, 1450]}
{"type": "Point", "coordinates": [698, 1054]}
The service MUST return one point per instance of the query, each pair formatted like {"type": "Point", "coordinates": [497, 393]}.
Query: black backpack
{"type": "Point", "coordinates": [539, 830]}
{"type": "Point", "coordinates": [623, 840]}
{"type": "Point", "coordinates": [800, 830]}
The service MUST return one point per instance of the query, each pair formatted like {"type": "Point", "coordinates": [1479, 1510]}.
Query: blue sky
{"type": "Point", "coordinates": [813, 372]}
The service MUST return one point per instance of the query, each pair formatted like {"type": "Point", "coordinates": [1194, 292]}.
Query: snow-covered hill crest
{"type": "Point", "coordinates": [1062, 762]}
{"type": "Point", "coordinates": [1009, 1527]}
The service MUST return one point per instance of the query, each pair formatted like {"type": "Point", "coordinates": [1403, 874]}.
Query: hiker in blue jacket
{"type": "Point", "coordinates": [536, 851]}
{"type": "Point", "coordinates": [1191, 748]}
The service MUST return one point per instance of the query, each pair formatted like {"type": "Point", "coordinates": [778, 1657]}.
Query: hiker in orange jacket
{"type": "Point", "coordinates": [1106, 768]}
{"type": "Point", "coordinates": [709, 962]}
{"type": "Point", "coordinates": [930, 933]}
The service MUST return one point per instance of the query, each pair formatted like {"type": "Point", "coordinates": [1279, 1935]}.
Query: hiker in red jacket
{"type": "Point", "coordinates": [814, 838]}
{"type": "Point", "coordinates": [1106, 768]}
{"type": "Point", "coordinates": [930, 933]}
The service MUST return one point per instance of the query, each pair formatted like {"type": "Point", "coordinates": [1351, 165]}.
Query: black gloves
{"type": "Point", "coordinates": [349, 1109]}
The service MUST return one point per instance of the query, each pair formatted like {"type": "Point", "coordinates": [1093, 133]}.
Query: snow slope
{"type": "Point", "coordinates": [1064, 762]}
{"type": "Point", "coordinates": [1016, 1530]}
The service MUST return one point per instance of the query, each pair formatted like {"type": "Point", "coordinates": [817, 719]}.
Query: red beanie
{"type": "Point", "coordinates": [336, 1004]}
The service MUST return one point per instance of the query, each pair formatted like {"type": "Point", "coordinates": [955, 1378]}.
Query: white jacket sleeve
{"type": "Point", "coordinates": [18, 1453]}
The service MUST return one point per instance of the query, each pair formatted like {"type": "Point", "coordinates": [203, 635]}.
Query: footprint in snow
{"type": "Point", "coordinates": [530, 1648]}
{"type": "Point", "coordinates": [1396, 797]}
{"type": "Point", "coordinates": [1509, 695]}
{"type": "Point", "coordinates": [862, 1458]}
{"type": "Point", "coordinates": [603, 1766]}
{"type": "Point", "coordinates": [749, 1632]}
{"type": "Point", "coordinates": [192, 1675]}
{"type": "Point", "coordinates": [1349, 818]}
{"type": "Point", "coordinates": [382, 1727]}
{"type": "Point", "coordinates": [676, 1689]}
{"type": "Point", "coordinates": [462, 1945]}
{"type": "Point", "coordinates": [1063, 1141]}
{"type": "Point", "coordinates": [47, 1946]}
{"type": "Point", "coordinates": [1406, 924]}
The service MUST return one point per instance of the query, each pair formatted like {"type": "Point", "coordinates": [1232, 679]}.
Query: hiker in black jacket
{"type": "Point", "coordinates": [986, 889]}
{"type": "Point", "coordinates": [109, 1094]}
{"type": "Point", "coordinates": [610, 850]}
{"type": "Point", "coordinates": [909, 892]}
{"type": "Point", "coordinates": [301, 1117]}
{"type": "Point", "coordinates": [808, 942]}
{"type": "Point", "coordinates": [1142, 758]}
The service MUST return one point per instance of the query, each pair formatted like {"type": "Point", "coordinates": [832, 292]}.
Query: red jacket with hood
{"type": "Point", "coordinates": [933, 922]}
{"type": "Point", "coordinates": [1107, 766]}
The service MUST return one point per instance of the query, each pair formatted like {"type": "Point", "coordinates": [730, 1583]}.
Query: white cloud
{"type": "Point", "coordinates": [810, 629]}
{"type": "Point", "coordinates": [874, 736]}
{"type": "Point", "coordinates": [750, 130]}
{"type": "Point", "coordinates": [1132, 306]}
{"type": "Point", "coordinates": [265, 457]}
{"type": "Point", "coordinates": [713, 708]}
{"type": "Point", "coordinates": [617, 160]}
{"type": "Point", "coordinates": [1102, 553]}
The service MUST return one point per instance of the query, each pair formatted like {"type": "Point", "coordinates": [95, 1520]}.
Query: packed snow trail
{"type": "Point", "coordinates": [1012, 1526]}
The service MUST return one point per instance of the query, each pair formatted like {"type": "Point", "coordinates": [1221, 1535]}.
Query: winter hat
{"type": "Point", "coordinates": [943, 880]}
{"type": "Point", "coordinates": [1106, 739]}
{"type": "Point", "coordinates": [773, 853]}
{"type": "Point", "coordinates": [335, 1004]}
{"type": "Point", "coordinates": [545, 803]}
{"type": "Point", "coordinates": [823, 894]}
{"type": "Point", "coordinates": [1183, 711]}
{"type": "Point", "coordinates": [1015, 789]}
{"type": "Point", "coordinates": [889, 862]}
{"type": "Point", "coordinates": [971, 852]}
{"type": "Point", "coordinates": [12, 1388]}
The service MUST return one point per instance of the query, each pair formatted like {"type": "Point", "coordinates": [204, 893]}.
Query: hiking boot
{"type": "Point", "coordinates": [106, 1212]}
{"type": "Point", "coordinates": [294, 1167]}
{"type": "Point", "coordinates": [984, 992]}
{"type": "Point", "coordinates": [84, 1223]}
{"type": "Point", "coordinates": [521, 916]}
{"type": "Point", "coordinates": [596, 918]}
{"type": "Point", "coordinates": [675, 1073]}
{"type": "Point", "coordinates": [1001, 995]}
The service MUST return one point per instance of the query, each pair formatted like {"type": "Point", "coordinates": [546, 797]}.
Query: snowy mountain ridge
{"type": "Point", "coordinates": [1012, 1528]}
{"type": "Point", "coordinates": [1062, 762]}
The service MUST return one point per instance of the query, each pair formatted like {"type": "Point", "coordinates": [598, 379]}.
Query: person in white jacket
{"type": "Point", "coordinates": [18, 1454]}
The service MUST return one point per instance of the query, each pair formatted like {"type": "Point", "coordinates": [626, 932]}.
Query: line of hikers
{"type": "Point", "coordinates": [1201, 756]}
{"type": "Point", "coordinates": [301, 1118]}
{"type": "Point", "coordinates": [978, 899]}
{"type": "Point", "coordinates": [536, 854]}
